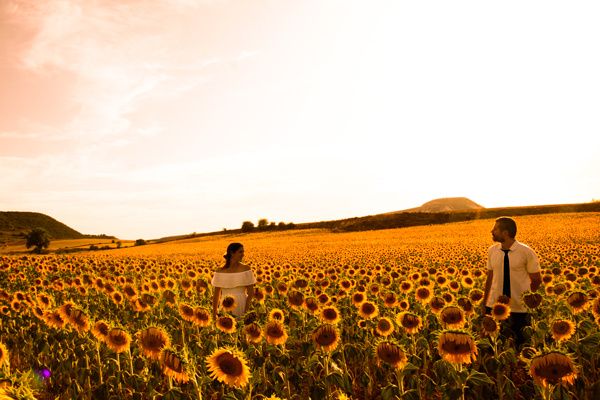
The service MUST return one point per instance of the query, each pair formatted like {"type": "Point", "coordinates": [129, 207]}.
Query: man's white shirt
{"type": "Point", "coordinates": [523, 261]}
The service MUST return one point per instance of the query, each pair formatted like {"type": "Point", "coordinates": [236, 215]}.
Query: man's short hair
{"type": "Point", "coordinates": [507, 224]}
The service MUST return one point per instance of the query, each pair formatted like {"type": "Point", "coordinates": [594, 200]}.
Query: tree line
{"type": "Point", "coordinates": [265, 225]}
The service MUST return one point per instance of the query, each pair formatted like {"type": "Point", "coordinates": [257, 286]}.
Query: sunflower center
{"type": "Point", "coordinates": [229, 364]}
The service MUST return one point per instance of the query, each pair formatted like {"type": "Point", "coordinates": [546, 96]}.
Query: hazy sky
{"type": "Point", "coordinates": [148, 118]}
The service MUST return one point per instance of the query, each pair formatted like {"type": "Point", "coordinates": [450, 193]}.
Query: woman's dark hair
{"type": "Point", "coordinates": [232, 248]}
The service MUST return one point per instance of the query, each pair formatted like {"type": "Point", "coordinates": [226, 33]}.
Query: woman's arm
{"type": "Point", "coordinates": [250, 294]}
{"type": "Point", "coordinates": [216, 297]}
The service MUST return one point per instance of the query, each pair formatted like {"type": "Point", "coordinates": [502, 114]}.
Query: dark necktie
{"type": "Point", "coordinates": [506, 283]}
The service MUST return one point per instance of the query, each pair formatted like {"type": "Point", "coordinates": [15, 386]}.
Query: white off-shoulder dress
{"type": "Point", "coordinates": [234, 284]}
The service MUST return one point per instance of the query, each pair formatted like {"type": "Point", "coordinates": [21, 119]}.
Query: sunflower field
{"type": "Point", "coordinates": [392, 314]}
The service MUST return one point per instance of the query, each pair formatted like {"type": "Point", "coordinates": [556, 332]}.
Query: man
{"type": "Point", "coordinates": [522, 273]}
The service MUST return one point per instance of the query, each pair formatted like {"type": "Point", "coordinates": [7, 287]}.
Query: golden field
{"type": "Point", "coordinates": [365, 315]}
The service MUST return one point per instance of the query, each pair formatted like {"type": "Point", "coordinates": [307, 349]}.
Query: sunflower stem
{"type": "Point", "coordinates": [98, 361]}
{"type": "Point", "coordinates": [130, 361]}
{"type": "Point", "coordinates": [400, 380]}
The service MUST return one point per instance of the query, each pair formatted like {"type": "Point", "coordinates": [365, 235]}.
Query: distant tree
{"type": "Point", "coordinates": [119, 244]}
{"type": "Point", "coordinates": [291, 225]}
{"type": "Point", "coordinates": [262, 223]}
{"type": "Point", "coordinates": [140, 242]}
{"type": "Point", "coordinates": [281, 225]}
{"type": "Point", "coordinates": [247, 226]}
{"type": "Point", "coordinates": [38, 238]}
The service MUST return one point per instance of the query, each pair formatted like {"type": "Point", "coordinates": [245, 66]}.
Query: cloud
{"type": "Point", "coordinates": [118, 56]}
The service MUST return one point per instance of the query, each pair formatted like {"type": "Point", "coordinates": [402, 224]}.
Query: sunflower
{"type": "Point", "coordinates": [406, 287]}
{"type": "Point", "coordinates": [562, 330]}
{"type": "Point", "coordinates": [170, 297]}
{"type": "Point", "coordinates": [295, 298]}
{"type": "Point", "coordinates": [441, 280]}
{"type": "Point", "coordinates": [130, 291]}
{"type": "Point", "coordinates": [323, 299]}
{"type": "Point", "coordinates": [467, 282]}
{"type": "Point", "coordinates": [228, 366]}
{"type": "Point", "coordinates": [44, 300]}
{"type": "Point", "coordinates": [454, 286]}
{"type": "Point", "coordinates": [436, 304]}
{"type": "Point", "coordinates": [390, 299]}
{"type": "Point", "coordinates": [503, 299]}
{"type": "Point", "coordinates": [527, 354]}
{"type": "Point", "coordinates": [489, 326]}
{"type": "Point", "coordinates": [457, 347]}
{"type": "Point", "coordinates": [368, 310]}
{"type": "Point", "coordinates": [390, 353]}
{"type": "Point", "coordinates": [552, 368]}
{"type": "Point", "coordinates": [531, 300]}
{"type": "Point", "coordinates": [476, 295]}
{"type": "Point", "coordinates": [358, 298]}
{"type": "Point", "coordinates": [79, 321]}
{"type": "Point", "coordinates": [275, 332]}
{"type": "Point", "coordinates": [346, 285]}
{"type": "Point", "coordinates": [54, 319]}
{"type": "Point", "coordinates": [226, 324]}
{"type": "Point", "coordinates": [152, 341]}
{"type": "Point", "coordinates": [38, 312]}
{"type": "Point", "coordinates": [559, 289]}
{"type": "Point", "coordinates": [578, 301]}
{"type": "Point", "coordinates": [65, 310]}
{"type": "Point", "coordinates": [423, 294]}
{"type": "Point", "coordinates": [311, 304]}
{"type": "Point", "coordinates": [411, 323]}
{"type": "Point", "coordinates": [186, 312]}
{"type": "Point", "coordinates": [326, 337]}
{"type": "Point", "coordinates": [118, 340]}
{"type": "Point", "coordinates": [330, 315]}
{"type": "Point", "coordinates": [276, 314]}
{"type": "Point", "coordinates": [404, 304]}
{"type": "Point", "coordinates": [116, 297]}
{"type": "Point", "coordinates": [3, 354]}
{"type": "Point", "coordinates": [259, 295]}
{"type": "Point", "coordinates": [173, 366]}
{"type": "Point", "coordinates": [202, 317]}
{"type": "Point", "coordinates": [384, 327]}
{"type": "Point", "coordinates": [466, 305]}
{"type": "Point", "coordinates": [228, 303]}
{"type": "Point", "coordinates": [253, 333]}
{"type": "Point", "coordinates": [500, 311]}
{"type": "Point", "coordinates": [448, 297]}
{"type": "Point", "coordinates": [452, 317]}
{"type": "Point", "coordinates": [100, 330]}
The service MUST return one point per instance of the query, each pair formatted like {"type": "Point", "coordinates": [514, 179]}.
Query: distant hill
{"type": "Point", "coordinates": [401, 219]}
{"type": "Point", "coordinates": [446, 204]}
{"type": "Point", "coordinates": [14, 224]}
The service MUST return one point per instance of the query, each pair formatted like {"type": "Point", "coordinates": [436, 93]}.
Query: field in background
{"type": "Point", "coordinates": [367, 315]}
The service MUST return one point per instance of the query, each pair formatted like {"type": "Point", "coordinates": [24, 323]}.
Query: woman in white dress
{"type": "Point", "coordinates": [235, 280]}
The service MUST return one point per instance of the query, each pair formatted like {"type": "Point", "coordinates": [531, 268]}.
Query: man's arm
{"type": "Point", "coordinates": [488, 287]}
{"type": "Point", "coordinates": [536, 280]}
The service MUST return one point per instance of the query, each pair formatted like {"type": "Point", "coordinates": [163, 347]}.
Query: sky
{"type": "Point", "coordinates": [150, 118]}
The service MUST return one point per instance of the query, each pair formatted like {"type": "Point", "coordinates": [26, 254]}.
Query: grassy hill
{"type": "Point", "coordinates": [14, 224]}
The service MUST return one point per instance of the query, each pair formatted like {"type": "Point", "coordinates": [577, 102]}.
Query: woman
{"type": "Point", "coordinates": [235, 280]}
